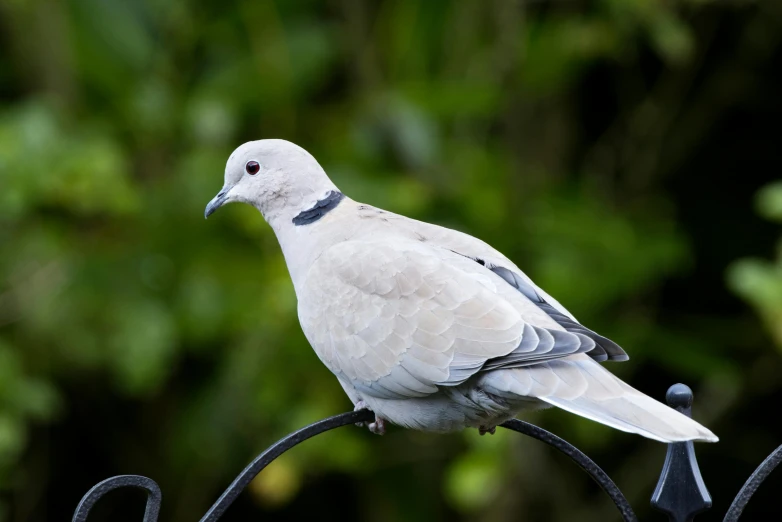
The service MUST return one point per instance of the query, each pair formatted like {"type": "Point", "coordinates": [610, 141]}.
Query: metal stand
{"type": "Point", "coordinates": [680, 493]}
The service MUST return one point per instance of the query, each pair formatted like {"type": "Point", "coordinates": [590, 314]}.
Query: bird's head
{"type": "Point", "coordinates": [277, 177]}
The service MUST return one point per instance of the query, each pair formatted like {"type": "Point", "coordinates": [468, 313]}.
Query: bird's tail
{"type": "Point", "coordinates": [584, 387]}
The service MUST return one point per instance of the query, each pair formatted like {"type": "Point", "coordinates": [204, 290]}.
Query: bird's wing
{"type": "Point", "coordinates": [485, 255]}
{"type": "Point", "coordinates": [398, 318]}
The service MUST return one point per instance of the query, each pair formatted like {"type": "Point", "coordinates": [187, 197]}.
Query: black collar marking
{"type": "Point", "coordinates": [319, 209]}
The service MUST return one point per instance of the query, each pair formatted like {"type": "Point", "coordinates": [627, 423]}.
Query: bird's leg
{"type": "Point", "coordinates": [483, 430]}
{"type": "Point", "coordinates": [378, 427]}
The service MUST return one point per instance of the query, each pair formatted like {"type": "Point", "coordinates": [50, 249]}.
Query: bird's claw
{"type": "Point", "coordinates": [483, 430]}
{"type": "Point", "coordinates": [378, 427]}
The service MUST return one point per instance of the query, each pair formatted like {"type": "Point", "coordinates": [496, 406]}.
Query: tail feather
{"type": "Point", "coordinates": [637, 413]}
{"type": "Point", "coordinates": [582, 386]}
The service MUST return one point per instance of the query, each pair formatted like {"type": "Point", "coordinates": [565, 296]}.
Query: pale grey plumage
{"type": "Point", "coordinates": [431, 328]}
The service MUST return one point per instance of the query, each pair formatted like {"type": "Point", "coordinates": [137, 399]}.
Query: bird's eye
{"type": "Point", "coordinates": [252, 168]}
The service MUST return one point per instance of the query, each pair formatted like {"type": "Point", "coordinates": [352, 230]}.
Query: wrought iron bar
{"type": "Point", "coordinates": [580, 458]}
{"type": "Point", "coordinates": [97, 492]}
{"type": "Point", "coordinates": [752, 484]}
{"type": "Point", "coordinates": [277, 449]}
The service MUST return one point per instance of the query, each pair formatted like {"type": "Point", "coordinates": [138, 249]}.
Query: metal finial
{"type": "Point", "coordinates": [681, 492]}
{"type": "Point", "coordinates": [679, 397]}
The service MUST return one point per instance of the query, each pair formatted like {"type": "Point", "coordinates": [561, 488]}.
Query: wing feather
{"type": "Point", "coordinates": [397, 320]}
{"type": "Point", "coordinates": [484, 254]}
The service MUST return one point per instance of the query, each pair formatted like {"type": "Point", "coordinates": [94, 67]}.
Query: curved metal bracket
{"type": "Point", "coordinates": [580, 458]}
{"type": "Point", "coordinates": [154, 497]}
{"type": "Point", "coordinates": [277, 449]}
{"type": "Point", "coordinates": [752, 484]}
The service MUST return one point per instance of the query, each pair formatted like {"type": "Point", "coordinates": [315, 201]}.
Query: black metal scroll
{"type": "Point", "coordinates": [681, 492]}
{"type": "Point", "coordinates": [752, 484]}
{"type": "Point", "coordinates": [277, 449]}
{"type": "Point", "coordinates": [580, 458]}
{"type": "Point", "coordinates": [121, 481]}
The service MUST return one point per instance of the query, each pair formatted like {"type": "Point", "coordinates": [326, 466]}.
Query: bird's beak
{"type": "Point", "coordinates": [216, 202]}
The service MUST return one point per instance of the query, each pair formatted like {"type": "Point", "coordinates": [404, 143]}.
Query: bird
{"type": "Point", "coordinates": [430, 328]}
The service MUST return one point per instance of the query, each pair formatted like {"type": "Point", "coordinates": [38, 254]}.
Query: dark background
{"type": "Point", "coordinates": [625, 153]}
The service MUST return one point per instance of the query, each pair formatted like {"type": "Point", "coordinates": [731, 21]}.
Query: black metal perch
{"type": "Point", "coordinates": [681, 492]}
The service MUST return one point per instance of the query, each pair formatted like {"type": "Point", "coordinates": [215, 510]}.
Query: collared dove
{"type": "Point", "coordinates": [430, 328]}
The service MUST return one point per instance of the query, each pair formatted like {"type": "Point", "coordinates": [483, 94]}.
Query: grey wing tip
{"type": "Point", "coordinates": [591, 348]}
{"type": "Point", "coordinates": [605, 349]}
{"type": "Point", "coordinates": [597, 351]}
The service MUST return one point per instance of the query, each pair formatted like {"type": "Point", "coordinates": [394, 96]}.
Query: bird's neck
{"type": "Point", "coordinates": [282, 209]}
{"type": "Point", "coordinates": [306, 230]}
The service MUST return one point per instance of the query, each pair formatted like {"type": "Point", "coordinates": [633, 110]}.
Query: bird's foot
{"type": "Point", "coordinates": [378, 427]}
{"type": "Point", "coordinates": [483, 430]}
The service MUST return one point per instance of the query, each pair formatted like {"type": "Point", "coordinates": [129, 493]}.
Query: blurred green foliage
{"type": "Point", "coordinates": [759, 281]}
{"type": "Point", "coordinates": [137, 338]}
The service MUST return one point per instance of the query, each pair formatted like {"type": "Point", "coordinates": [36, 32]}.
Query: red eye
{"type": "Point", "coordinates": [252, 168]}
